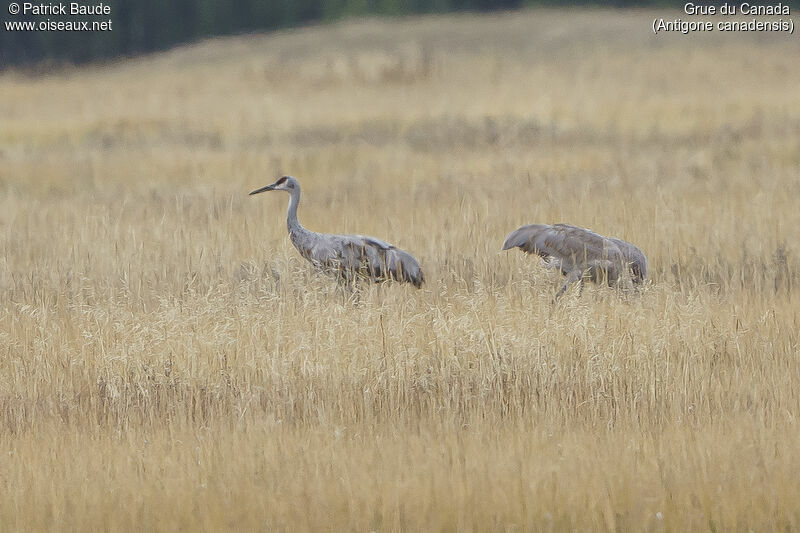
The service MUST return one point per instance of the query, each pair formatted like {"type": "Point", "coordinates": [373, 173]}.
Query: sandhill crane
{"type": "Point", "coordinates": [345, 255]}
{"type": "Point", "coordinates": [577, 251]}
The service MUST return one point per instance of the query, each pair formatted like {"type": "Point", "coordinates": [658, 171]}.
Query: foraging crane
{"type": "Point", "coordinates": [577, 251]}
{"type": "Point", "coordinates": [345, 255]}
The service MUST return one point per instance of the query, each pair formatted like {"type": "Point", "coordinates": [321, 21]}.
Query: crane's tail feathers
{"type": "Point", "coordinates": [525, 237]}
{"type": "Point", "coordinates": [515, 239]}
{"type": "Point", "coordinates": [381, 261]}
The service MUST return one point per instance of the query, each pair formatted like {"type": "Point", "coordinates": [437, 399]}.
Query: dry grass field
{"type": "Point", "coordinates": [168, 361]}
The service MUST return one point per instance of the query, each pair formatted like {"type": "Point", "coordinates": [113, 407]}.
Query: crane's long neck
{"type": "Point", "coordinates": [292, 224]}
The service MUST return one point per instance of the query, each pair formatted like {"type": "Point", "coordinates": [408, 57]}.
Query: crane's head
{"type": "Point", "coordinates": [286, 183]}
{"type": "Point", "coordinates": [639, 269]}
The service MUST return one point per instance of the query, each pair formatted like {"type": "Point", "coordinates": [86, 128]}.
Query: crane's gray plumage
{"type": "Point", "coordinates": [346, 255]}
{"type": "Point", "coordinates": [577, 251]}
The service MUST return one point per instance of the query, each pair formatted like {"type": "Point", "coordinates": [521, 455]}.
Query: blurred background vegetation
{"type": "Point", "coordinates": [148, 25]}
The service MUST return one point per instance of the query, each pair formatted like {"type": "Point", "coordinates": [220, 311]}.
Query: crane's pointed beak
{"type": "Point", "coordinates": [263, 189]}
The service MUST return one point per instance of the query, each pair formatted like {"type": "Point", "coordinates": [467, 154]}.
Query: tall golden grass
{"type": "Point", "coordinates": [168, 361]}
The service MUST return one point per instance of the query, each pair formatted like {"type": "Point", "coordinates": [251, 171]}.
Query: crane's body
{"type": "Point", "coordinates": [579, 251]}
{"type": "Point", "coordinates": [345, 255]}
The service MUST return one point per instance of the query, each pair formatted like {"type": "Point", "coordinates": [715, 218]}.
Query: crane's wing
{"type": "Point", "coordinates": [563, 245]}
{"type": "Point", "coordinates": [379, 259]}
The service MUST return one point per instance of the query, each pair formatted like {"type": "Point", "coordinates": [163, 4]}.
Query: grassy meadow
{"type": "Point", "coordinates": [168, 360]}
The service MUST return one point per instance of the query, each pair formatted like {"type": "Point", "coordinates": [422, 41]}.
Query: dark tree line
{"type": "Point", "coordinates": [140, 26]}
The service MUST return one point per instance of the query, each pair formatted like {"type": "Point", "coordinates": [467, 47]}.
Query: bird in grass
{"type": "Point", "coordinates": [347, 256]}
{"type": "Point", "coordinates": [579, 252]}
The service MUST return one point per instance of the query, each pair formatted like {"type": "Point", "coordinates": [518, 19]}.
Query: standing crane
{"type": "Point", "coordinates": [347, 256]}
{"type": "Point", "coordinates": [578, 251]}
